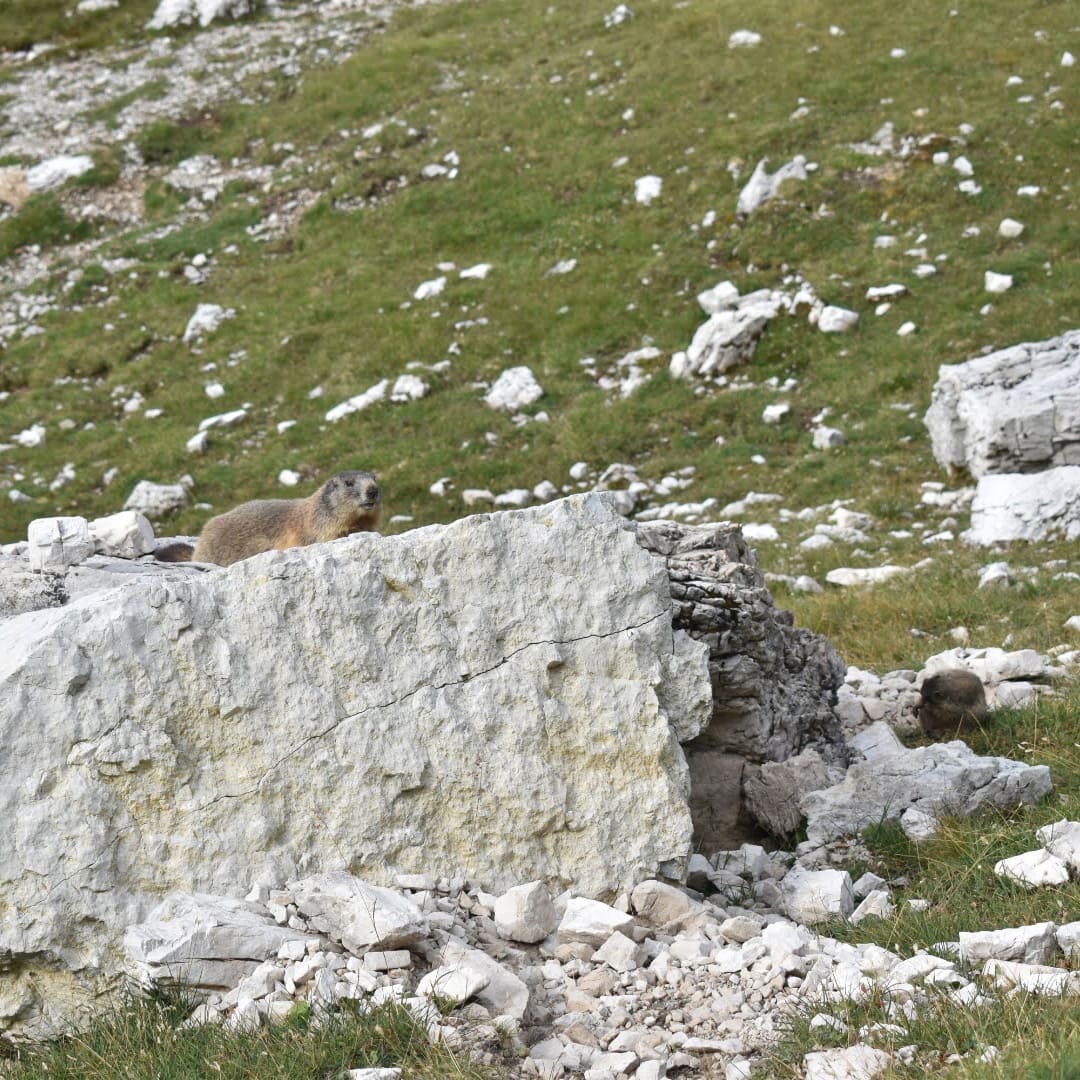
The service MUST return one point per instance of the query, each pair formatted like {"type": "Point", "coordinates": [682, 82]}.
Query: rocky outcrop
{"type": "Point", "coordinates": [489, 698]}
{"type": "Point", "coordinates": [1016, 410]}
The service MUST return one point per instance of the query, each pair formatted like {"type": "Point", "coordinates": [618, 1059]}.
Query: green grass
{"type": "Point", "coordinates": [146, 1040]}
{"type": "Point", "coordinates": [42, 220]}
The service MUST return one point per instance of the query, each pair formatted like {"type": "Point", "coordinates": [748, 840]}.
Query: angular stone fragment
{"type": "Point", "coordinates": [455, 982]}
{"type": "Point", "coordinates": [813, 896]}
{"type": "Point", "coordinates": [126, 535]}
{"type": "Point", "coordinates": [658, 903]}
{"type": "Point", "coordinates": [1033, 869]}
{"type": "Point", "coordinates": [620, 953]}
{"type": "Point", "coordinates": [1016, 410]}
{"type": "Point", "coordinates": [203, 942]}
{"type": "Point", "coordinates": [856, 1062]}
{"type": "Point", "coordinates": [1035, 944]}
{"type": "Point", "coordinates": [1062, 839]}
{"type": "Point", "coordinates": [156, 500]}
{"type": "Point", "coordinates": [58, 542]}
{"type": "Point", "coordinates": [591, 921]}
{"type": "Point", "coordinates": [359, 915]}
{"type": "Point", "coordinates": [525, 913]}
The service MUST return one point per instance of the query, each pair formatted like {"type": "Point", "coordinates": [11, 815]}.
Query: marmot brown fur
{"type": "Point", "coordinates": [349, 502]}
{"type": "Point", "coordinates": [952, 701]}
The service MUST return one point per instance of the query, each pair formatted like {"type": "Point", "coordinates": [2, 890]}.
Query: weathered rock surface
{"type": "Point", "coordinates": [157, 738]}
{"type": "Point", "coordinates": [1016, 410]}
{"type": "Point", "coordinates": [944, 778]}
{"type": "Point", "coordinates": [773, 686]}
{"type": "Point", "coordinates": [1026, 506]}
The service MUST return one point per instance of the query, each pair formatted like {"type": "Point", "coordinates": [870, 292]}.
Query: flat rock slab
{"type": "Point", "coordinates": [1016, 410]}
{"type": "Point", "coordinates": [945, 778]}
{"type": "Point", "coordinates": [486, 698]}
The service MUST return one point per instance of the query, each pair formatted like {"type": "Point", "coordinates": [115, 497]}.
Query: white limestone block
{"type": "Point", "coordinates": [126, 535]}
{"type": "Point", "coordinates": [525, 913]}
{"type": "Point", "coordinates": [58, 542]}
{"type": "Point", "coordinates": [1033, 869]}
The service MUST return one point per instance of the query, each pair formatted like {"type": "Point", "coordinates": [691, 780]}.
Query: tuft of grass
{"type": "Point", "coordinates": [43, 221]}
{"type": "Point", "coordinates": [146, 1039]}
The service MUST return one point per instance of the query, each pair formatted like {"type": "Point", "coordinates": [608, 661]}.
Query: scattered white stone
{"type": "Point", "coordinates": [156, 500]}
{"type": "Point", "coordinates": [207, 318]}
{"type": "Point", "coordinates": [837, 320]}
{"type": "Point", "coordinates": [563, 266]}
{"type": "Point", "coordinates": [1062, 839]}
{"type": "Point", "coordinates": [288, 478]}
{"type": "Point", "coordinates": [743, 39]}
{"type": "Point", "coordinates": [997, 283]}
{"type": "Point", "coordinates": [886, 292]}
{"type": "Point", "coordinates": [408, 388]}
{"type": "Point", "coordinates": [857, 576]}
{"type": "Point", "coordinates": [198, 442]}
{"type": "Point", "coordinates": [214, 390]}
{"type": "Point", "coordinates": [963, 166]}
{"type": "Point", "coordinates": [525, 913]}
{"type": "Point", "coordinates": [591, 922]}
{"type": "Point", "coordinates": [773, 414]}
{"type": "Point", "coordinates": [476, 273]}
{"type": "Point", "coordinates": [1029, 191]}
{"type": "Point", "coordinates": [1010, 229]}
{"type": "Point", "coordinates": [826, 438]}
{"type": "Point", "coordinates": [1035, 944]}
{"type": "Point", "coordinates": [856, 1062]}
{"type": "Point", "coordinates": [760, 533]}
{"type": "Point", "coordinates": [906, 329]}
{"type": "Point", "coordinates": [178, 12]}
{"type": "Point", "coordinates": [31, 436]}
{"type": "Point", "coordinates": [762, 186]}
{"type": "Point", "coordinates": [1067, 59]}
{"type": "Point", "coordinates": [428, 289]}
{"type": "Point", "coordinates": [222, 419]}
{"type": "Point", "coordinates": [647, 188]}
{"type": "Point", "coordinates": [57, 171]}
{"type": "Point", "coordinates": [812, 896]}
{"type": "Point", "coordinates": [360, 402]}
{"type": "Point", "coordinates": [617, 16]}
{"type": "Point", "coordinates": [515, 388]}
{"type": "Point", "coordinates": [1033, 869]}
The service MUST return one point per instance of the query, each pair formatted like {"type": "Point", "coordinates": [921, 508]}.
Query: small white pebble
{"type": "Point", "coordinates": [906, 329]}
{"type": "Point", "coordinates": [997, 283]}
{"type": "Point", "coordinates": [214, 390]}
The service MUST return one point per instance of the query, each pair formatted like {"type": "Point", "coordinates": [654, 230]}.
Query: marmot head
{"type": "Point", "coordinates": [952, 701]}
{"type": "Point", "coordinates": [355, 488]}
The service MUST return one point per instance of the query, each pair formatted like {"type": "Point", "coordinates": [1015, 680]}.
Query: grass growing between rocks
{"type": "Point", "coordinates": [145, 1040]}
{"type": "Point", "coordinates": [954, 873]}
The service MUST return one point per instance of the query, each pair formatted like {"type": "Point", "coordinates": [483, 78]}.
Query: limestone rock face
{"type": "Point", "coordinates": [773, 686]}
{"type": "Point", "coordinates": [1016, 410]}
{"type": "Point", "coordinates": [482, 698]}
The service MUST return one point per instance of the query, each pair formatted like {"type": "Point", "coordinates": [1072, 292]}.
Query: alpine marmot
{"type": "Point", "coordinates": [349, 502]}
{"type": "Point", "coordinates": [952, 701]}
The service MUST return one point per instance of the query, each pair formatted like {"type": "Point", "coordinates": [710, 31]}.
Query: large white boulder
{"type": "Point", "coordinates": [58, 542]}
{"type": "Point", "coordinates": [1026, 506]}
{"type": "Point", "coordinates": [486, 698]}
{"type": "Point", "coordinates": [1016, 410]}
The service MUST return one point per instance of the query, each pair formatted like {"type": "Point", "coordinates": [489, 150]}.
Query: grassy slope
{"type": "Point", "coordinates": [535, 100]}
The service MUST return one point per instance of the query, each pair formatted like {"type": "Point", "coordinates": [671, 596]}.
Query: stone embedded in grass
{"type": "Point", "coordinates": [997, 283]}
{"type": "Point", "coordinates": [837, 320]}
{"type": "Point", "coordinates": [408, 388]}
{"type": "Point", "coordinates": [426, 290]}
{"type": "Point", "coordinates": [1010, 229]}
{"type": "Point", "coordinates": [30, 437]}
{"type": "Point", "coordinates": [207, 319]}
{"type": "Point", "coordinates": [214, 390]}
{"type": "Point", "coordinates": [222, 419]}
{"type": "Point", "coordinates": [563, 266]}
{"type": "Point", "coordinates": [1033, 869]}
{"type": "Point", "coordinates": [288, 477]}
{"type": "Point", "coordinates": [743, 39]}
{"type": "Point", "coordinates": [763, 186]}
{"type": "Point", "coordinates": [617, 16]}
{"type": "Point", "coordinates": [826, 438]}
{"type": "Point", "coordinates": [515, 388]}
{"type": "Point", "coordinates": [1026, 506]}
{"type": "Point", "coordinates": [773, 414]}
{"type": "Point", "coordinates": [848, 577]}
{"type": "Point", "coordinates": [182, 12]}
{"type": "Point", "coordinates": [475, 273]}
{"type": "Point", "coordinates": [198, 442]}
{"type": "Point", "coordinates": [360, 402]}
{"type": "Point", "coordinates": [647, 188]}
{"type": "Point", "coordinates": [886, 292]}
{"type": "Point", "coordinates": [156, 500]}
